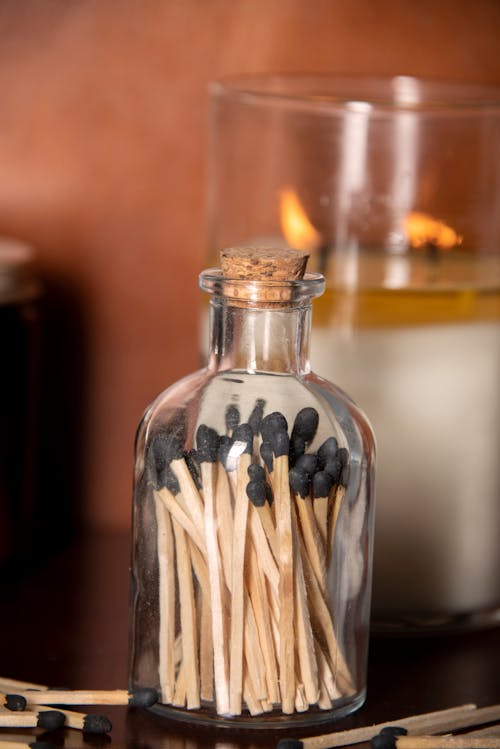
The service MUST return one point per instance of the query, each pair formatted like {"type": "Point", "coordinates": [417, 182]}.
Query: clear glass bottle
{"type": "Point", "coordinates": [253, 518]}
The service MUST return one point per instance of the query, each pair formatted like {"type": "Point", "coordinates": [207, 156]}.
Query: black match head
{"type": "Point", "coordinates": [164, 447]}
{"type": "Point", "coordinates": [386, 739]}
{"type": "Point", "coordinates": [50, 719]}
{"type": "Point", "coordinates": [272, 423]}
{"type": "Point", "coordinates": [256, 472]}
{"type": "Point", "coordinates": [191, 462]}
{"type": "Point", "coordinates": [306, 424]}
{"type": "Point", "coordinates": [322, 483]}
{"type": "Point", "coordinates": [96, 724]}
{"type": "Point", "coordinates": [300, 482]}
{"type": "Point", "coordinates": [225, 443]}
{"type": "Point", "coordinates": [297, 448]}
{"type": "Point", "coordinates": [394, 731]}
{"type": "Point", "coordinates": [143, 697]}
{"type": "Point", "coordinates": [244, 433]}
{"type": "Point", "coordinates": [167, 478]}
{"type": "Point", "coordinates": [344, 476]}
{"type": "Point", "coordinates": [281, 443]}
{"type": "Point", "coordinates": [207, 444]}
{"type": "Point", "coordinates": [256, 492]}
{"type": "Point", "coordinates": [307, 463]}
{"type": "Point", "coordinates": [267, 455]}
{"type": "Point", "coordinates": [327, 451]}
{"type": "Point", "coordinates": [289, 744]}
{"type": "Point", "coordinates": [255, 418]}
{"type": "Point", "coordinates": [41, 745]}
{"type": "Point", "coordinates": [334, 468]}
{"type": "Point", "coordinates": [15, 702]}
{"type": "Point", "coordinates": [232, 417]}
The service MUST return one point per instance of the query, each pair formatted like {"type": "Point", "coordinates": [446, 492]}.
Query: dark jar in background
{"type": "Point", "coordinates": [20, 342]}
{"type": "Point", "coordinates": [253, 517]}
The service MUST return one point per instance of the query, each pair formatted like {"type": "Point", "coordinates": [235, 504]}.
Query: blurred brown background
{"type": "Point", "coordinates": [102, 155]}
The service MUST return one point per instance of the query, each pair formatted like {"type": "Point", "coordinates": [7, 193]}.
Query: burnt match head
{"type": "Point", "coordinates": [307, 463]}
{"type": "Point", "coordinates": [167, 478]}
{"type": "Point", "coordinates": [50, 720]}
{"type": "Point", "coordinates": [290, 744]}
{"type": "Point", "coordinates": [163, 448]}
{"type": "Point", "coordinates": [300, 482]}
{"type": "Point", "coordinates": [386, 739]}
{"type": "Point", "coordinates": [41, 745]}
{"type": "Point", "coordinates": [256, 493]}
{"type": "Point", "coordinates": [143, 697]}
{"type": "Point", "coordinates": [256, 472]}
{"type": "Point", "coordinates": [96, 724]}
{"type": "Point", "coordinates": [232, 417]}
{"type": "Point", "coordinates": [255, 418]}
{"type": "Point", "coordinates": [272, 423]}
{"type": "Point", "coordinates": [322, 483]}
{"type": "Point", "coordinates": [15, 702]}
{"type": "Point", "coordinates": [191, 458]}
{"type": "Point", "coordinates": [281, 443]}
{"type": "Point", "coordinates": [297, 448]}
{"type": "Point", "coordinates": [327, 451]}
{"type": "Point", "coordinates": [244, 434]}
{"type": "Point", "coordinates": [207, 444]}
{"type": "Point", "coordinates": [306, 424]}
{"type": "Point", "coordinates": [334, 468]}
{"type": "Point", "coordinates": [267, 455]}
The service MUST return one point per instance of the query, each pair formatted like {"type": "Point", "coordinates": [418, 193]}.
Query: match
{"type": "Point", "coordinates": [145, 697]}
{"type": "Point", "coordinates": [50, 720]}
{"type": "Point", "coordinates": [387, 739]}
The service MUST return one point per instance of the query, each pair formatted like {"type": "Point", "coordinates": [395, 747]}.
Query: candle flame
{"type": "Point", "coordinates": [424, 231]}
{"type": "Point", "coordinates": [295, 225]}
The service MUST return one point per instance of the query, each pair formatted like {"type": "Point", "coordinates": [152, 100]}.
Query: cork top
{"type": "Point", "coordinates": [262, 277]}
{"type": "Point", "coordinates": [263, 263]}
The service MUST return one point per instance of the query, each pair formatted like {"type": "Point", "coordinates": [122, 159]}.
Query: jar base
{"type": "Point", "coordinates": [275, 720]}
{"type": "Point", "coordinates": [411, 624]}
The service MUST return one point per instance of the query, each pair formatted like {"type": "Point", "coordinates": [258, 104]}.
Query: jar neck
{"type": "Point", "coordinates": [259, 339]}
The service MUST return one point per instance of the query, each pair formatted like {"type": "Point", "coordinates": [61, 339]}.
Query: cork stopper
{"type": "Point", "coordinates": [263, 263]}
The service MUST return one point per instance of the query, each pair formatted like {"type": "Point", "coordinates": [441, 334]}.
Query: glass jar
{"type": "Point", "coordinates": [253, 514]}
{"type": "Point", "coordinates": [392, 185]}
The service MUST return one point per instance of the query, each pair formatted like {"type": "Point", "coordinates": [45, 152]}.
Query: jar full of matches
{"type": "Point", "coordinates": [253, 517]}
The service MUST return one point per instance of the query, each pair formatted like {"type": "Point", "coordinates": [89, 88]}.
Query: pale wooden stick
{"type": "Point", "coordinates": [446, 742]}
{"type": "Point", "coordinates": [205, 625]}
{"type": "Point", "coordinates": [424, 723]}
{"type": "Point", "coordinates": [301, 703]}
{"type": "Point", "coordinates": [253, 652]}
{"type": "Point", "coordinates": [336, 504]}
{"type": "Point", "coordinates": [49, 720]}
{"type": "Point", "coordinates": [180, 691]}
{"type": "Point", "coordinates": [266, 558]}
{"type": "Point", "coordinates": [219, 633]}
{"type": "Point", "coordinates": [13, 685]}
{"type": "Point", "coordinates": [312, 538]}
{"type": "Point", "coordinates": [224, 510]}
{"type": "Point", "coordinates": [323, 619]}
{"type": "Point", "coordinates": [304, 635]}
{"type": "Point", "coordinates": [237, 585]}
{"type": "Point", "coordinates": [143, 697]}
{"type": "Point", "coordinates": [260, 604]}
{"type": "Point", "coordinates": [286, 582]}
{"type": "Point", "coordinates": [189, 492]}
{"type": "Point", "coordinates": [166, 592]}
{"type": "Point", "coordinates": [173, 504]}
{"type": "Point", "coordinates": [187, 616]}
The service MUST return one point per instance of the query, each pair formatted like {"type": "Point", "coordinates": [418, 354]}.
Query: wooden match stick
{"type": "Point", "coordinates": [10, 744]}
{"type": "Point", "coordinates": [322, 483]}
{"type": "Point", "coordinates": [142, 697]}
{"type": "Point", "coordinates": [286, 570]}
{"type": "Point", "coordinates": [166, 600]}
{"type": "Point", "coordinates": [188, 617]}
{"type": "Point", "coordinates": [11, 685]}
{"type": "Point", "coordinates": [207, 445]}
{"type": "Point", "coordinates": [434, 742]}
{"type": "Point", "coordinates": [50, 720]}
{"type": "Point", "coordinates": [300, 484]}
{"type": "Point", "coordinates": [242, 434]}
{"type": "Point", "coordinates": [88, 723]}
{"type": "Point", "coordinates": [423, 723]}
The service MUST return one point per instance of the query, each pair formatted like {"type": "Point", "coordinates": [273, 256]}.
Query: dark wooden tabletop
{"type": "Point", "coordinates": [65, 623]}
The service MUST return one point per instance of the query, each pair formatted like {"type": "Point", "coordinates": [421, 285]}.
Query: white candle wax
{"type": "Point", "coordinates": [432, 394]}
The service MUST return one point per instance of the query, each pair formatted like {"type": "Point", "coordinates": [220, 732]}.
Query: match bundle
{"type": "Point", "coordinates": [245, 524]}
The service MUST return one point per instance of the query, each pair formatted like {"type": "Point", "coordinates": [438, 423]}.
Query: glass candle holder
{"type": "Point", "coordinates": [393, 187]}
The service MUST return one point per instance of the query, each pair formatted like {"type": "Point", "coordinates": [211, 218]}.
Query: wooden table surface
{"type": "Point", "coordinates": [66, 624]}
